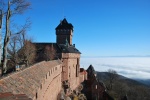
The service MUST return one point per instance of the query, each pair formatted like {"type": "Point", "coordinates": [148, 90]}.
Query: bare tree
{"type": "Point", "coordinates": [27, 53]}
{"type": "Point", "coordinates": [17, 42]}
{"type": "Point", "coordinates": [12, 50]}
{"type": "Point", "coordinates": [21, 49]}
{"type": "Point", "coordinates": [13, 7]}
{"type": "Point", "coordinates": [6, 39]}
{"type": "Point", "coordinates": [49, 53]}
{"type": "Point", "coordinates": [112, 75]}
{"type": "Point", "coordinates": [1, 20]}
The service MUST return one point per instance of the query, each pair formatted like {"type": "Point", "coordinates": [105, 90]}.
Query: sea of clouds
{"type": "Point", "coordinates": [131, 67]}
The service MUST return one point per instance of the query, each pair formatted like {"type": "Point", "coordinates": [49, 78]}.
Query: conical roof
{"type": "Point", "coordinates": [91, 69]}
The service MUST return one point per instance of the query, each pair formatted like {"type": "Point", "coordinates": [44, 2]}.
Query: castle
{"type": "Point", "coordinates": [44, 80]}
{"type": "Point", "coordinates": [56, 75]}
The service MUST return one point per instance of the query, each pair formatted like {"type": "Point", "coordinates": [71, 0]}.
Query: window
{"type": "Point", "coordinates": [55, 68]}
{"type": "Point", "coordinates": [95, 86]}
{"type": "Point", "coordinates": [41, 86]}
{"type": "Point", "coordinates": [36, 95]}
{"type": "Point", "coordinates": [76, 70]}
{"type": "Point", "coordinates": [63, 69]}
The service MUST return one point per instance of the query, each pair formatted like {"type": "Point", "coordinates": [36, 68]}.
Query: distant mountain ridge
{"type": "Point", "coordinates": [134, 89]}
{"type": "Point", "coordinates": [144, 81]}
{"type": "Point", "coordinates": [104, 75]}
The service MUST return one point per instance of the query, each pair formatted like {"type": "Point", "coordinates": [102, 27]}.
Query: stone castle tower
{"type": "Point", "coordinates": [69, 55]}
{"type": "Point", "coordinates": [64, 32]}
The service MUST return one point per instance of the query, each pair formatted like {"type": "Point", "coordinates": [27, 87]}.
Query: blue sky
{"type": "Point", "coordinates": [101, 27]}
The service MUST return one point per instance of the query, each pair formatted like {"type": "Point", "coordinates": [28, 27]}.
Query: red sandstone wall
{"type": "Point", "coordinates": [65, 69]}
{"type": "Point", "coordinates": [71, 66]}
{"type": "Point", "coordinates": [51, 85]}
{"type": "Point", "coordinates": [41, 81]}
{"type": "Point", "coordinates": [74, 79]}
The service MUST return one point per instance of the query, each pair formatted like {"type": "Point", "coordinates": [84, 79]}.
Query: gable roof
{"type": "Point", "coordinates": [64, 25]}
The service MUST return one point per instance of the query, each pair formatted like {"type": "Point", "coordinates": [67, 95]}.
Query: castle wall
{"type": "Point", "coordinates": [41, 81]}
{"type": "Point", "coordinates": [73, 77]}
{"type": "Point", "coordinates": [83, 75]}
{"type": "Point", "coordinates": [51, 86]}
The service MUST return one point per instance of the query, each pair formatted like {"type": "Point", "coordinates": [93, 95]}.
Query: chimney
{"type": "Point", "coordinates": [74, 45]}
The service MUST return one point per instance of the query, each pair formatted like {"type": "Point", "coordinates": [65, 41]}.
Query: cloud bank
{"type": "Point", "coordinates": [131, 67]}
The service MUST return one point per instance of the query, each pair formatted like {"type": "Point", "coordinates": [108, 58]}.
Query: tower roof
{"type": "Point", "coordinates": [64, 25]}
{"type": "Point", "coordinates": [91, 70]}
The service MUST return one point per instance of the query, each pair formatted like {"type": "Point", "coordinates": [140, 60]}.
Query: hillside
{"type": "Point", "coordinates": [146, 82]}
{"type": "Point", "coordinates": [122, 86]}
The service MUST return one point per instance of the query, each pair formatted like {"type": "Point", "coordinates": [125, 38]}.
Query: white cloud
{"type": "Point", "coordinates": [132, 67]}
